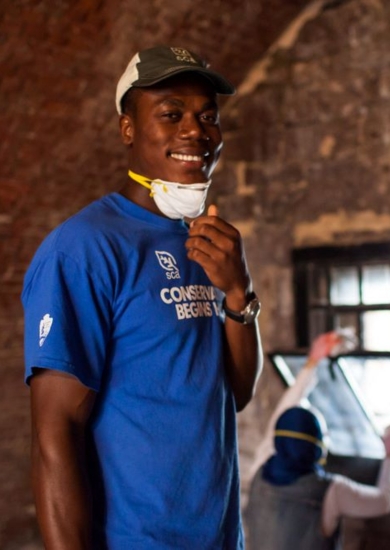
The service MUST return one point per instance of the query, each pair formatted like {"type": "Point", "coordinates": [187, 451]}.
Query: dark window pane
{"type": "Point", "coordinates": [317, 323]}
{"type": "Point", "coordinates": [318, 285]}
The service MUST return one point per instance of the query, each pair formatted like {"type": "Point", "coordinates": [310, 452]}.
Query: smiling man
{"type": "Point", "coordinates": [141, 338]}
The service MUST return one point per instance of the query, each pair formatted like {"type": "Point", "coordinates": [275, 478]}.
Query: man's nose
{"type": "Point", "coordinates": [191, 127]}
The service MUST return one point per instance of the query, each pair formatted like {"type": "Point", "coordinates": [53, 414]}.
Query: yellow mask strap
{"type": "Point", "coordinates": [141, 179]}
{"type": "Point", "coordinates": [300, 435]}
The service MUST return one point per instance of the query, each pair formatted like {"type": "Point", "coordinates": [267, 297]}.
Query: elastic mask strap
{"type": "Point", "coordinates": [300, 435]}
{"type": "Point", "coordinates": [142, 180]}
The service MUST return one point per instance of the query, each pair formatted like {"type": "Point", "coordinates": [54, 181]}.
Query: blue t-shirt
{"type": "Point", "coordinates": [112, 298]}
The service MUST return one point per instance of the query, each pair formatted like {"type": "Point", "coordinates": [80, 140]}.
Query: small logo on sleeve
{"type": "Point", "coordinates": [168, 263]}
{"type": "Point", "coordinates": [44, 328]}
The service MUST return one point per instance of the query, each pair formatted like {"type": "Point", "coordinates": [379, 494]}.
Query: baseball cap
{"type": "Point", "coordinates": [154, 65]}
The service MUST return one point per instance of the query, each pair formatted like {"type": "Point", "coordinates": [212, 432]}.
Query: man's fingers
{"type": "Point", "coordinates": [212, 210]}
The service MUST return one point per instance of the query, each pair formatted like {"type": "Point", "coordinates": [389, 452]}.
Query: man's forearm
{"type": "Point", "coordinates": [61, 494]}
{"type": "Point", "coordinates": [245, 360]}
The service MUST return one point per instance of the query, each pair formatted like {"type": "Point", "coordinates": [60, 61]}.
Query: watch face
{"type": "Point", "coordinates": [252, 311]}
{"type": "Point", "coordinates": [248, 315]}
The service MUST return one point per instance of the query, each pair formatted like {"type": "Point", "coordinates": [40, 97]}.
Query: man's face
{"type": "Point", "coordinates": [174, 132]}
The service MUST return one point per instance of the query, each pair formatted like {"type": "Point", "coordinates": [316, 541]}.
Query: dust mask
{"type": "Point", "coordinates": [175, 200]}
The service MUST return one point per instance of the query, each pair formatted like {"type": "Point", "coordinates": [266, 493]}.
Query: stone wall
{"type": "Point", "coordinates": [306, 158]}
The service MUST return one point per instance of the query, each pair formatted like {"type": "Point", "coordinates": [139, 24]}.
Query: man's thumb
{"type": "Point", "coordinates": [212, 210]}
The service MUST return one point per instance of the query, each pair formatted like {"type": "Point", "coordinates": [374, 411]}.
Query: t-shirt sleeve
{"type": "Point", "coordinates": [67, 319]}
{"type": "Point", "coordinates": [348, 498]}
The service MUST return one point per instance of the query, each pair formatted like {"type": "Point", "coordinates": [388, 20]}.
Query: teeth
{"type": "Point", "coordinates": [187, 158]}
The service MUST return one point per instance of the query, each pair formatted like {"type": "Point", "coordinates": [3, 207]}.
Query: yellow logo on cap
{"type": "Point", "coordinates": [183, 55]}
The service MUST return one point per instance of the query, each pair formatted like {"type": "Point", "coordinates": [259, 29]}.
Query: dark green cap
{"type": "Point", "coordinates": [154, 65]}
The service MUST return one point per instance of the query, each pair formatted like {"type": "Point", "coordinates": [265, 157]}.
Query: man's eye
{"type": "Point", "coordinates": [171, 115]}
{"type": "Point", "coordinates": [210, 118]}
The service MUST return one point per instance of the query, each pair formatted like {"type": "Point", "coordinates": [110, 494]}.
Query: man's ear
{"type": "Point", "coordinates": [126, 128]}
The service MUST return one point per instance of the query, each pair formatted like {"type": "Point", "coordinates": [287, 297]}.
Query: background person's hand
{"type": "Point", "coordinates": [323, 346]}
{"type": "Point", "coordinates": [330, 344]}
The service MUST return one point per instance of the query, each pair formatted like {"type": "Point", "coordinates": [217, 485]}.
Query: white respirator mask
{"type": "Point", "coordinates": [175, 200]}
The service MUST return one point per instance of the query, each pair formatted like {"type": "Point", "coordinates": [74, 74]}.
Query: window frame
{"type": "Point", "coordinates": [328, 257]}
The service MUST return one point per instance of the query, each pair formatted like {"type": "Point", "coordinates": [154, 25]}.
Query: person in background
{"type": "Point", "coordinates": [293, 502]}
{"type": "Point", "coordinates": [141, 336]}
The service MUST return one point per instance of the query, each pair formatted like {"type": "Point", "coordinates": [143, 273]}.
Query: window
{"type": "Point", "coordinates": [353, 428]}
{"type": "Point", "coordinates": [344, 287]}
{"type": "Point", "coordinates": [339, 287]}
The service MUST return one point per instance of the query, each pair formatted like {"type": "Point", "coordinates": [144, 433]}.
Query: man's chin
{"type": "Point", "coordinates": [190, 177]}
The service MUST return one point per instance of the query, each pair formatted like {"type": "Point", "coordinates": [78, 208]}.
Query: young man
{"type": "Point", "coordinates": [141, 336]}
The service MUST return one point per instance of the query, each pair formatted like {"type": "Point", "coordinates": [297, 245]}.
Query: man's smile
{"type": "Point", "coordinates": [189, 158]}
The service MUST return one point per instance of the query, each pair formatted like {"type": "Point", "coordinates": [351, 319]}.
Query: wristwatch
{"type": "Point", "coordinates": [248, 315]}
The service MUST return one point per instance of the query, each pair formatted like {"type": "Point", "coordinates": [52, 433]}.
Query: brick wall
{"type": "Point", "coordinates": [306, 158]}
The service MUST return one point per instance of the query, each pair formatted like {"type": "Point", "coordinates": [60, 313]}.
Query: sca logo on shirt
{"type": "Point", "coordinates": [168, 263]}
